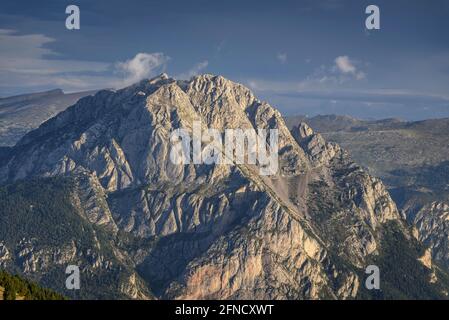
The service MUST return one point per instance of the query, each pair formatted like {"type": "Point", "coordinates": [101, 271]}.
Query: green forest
{"type": "Point", "coordinates": [14, 287]}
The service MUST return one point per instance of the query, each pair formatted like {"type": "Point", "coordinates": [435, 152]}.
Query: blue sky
{"type": "Point", "coordinates": [303, 57]}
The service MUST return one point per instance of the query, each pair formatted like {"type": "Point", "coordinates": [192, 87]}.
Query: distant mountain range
{"type": "Point", "coordinates": [22, 113]}
{"type": "Point", "coordinates": [94, 187]}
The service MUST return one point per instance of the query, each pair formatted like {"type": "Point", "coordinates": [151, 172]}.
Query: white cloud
{"type": "Point", "coordinates": [343, 71]}
{"type": "Point", "coordinates": [195, 70]}
{"type": "Point", "coordinates": [27, 63]}
{"type": "Point", "coordinates": [282, 57]}
{"type": "Point", "coordinates": [344, 65]}
{"type": "Point", "coordinates": [324, 78]}
{"type": "Point", "coordinates": [143, 65]}
{"type": "Point", "coordinates": [298, 89]}
{"type": "Point", "coordinates": [27, 54]}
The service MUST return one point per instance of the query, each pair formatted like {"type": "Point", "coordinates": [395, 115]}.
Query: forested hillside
{"type": "Point", "coordinates": [13, 287]}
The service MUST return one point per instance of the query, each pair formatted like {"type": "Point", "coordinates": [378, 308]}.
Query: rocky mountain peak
{"type": "Point", "coordinates": [219, 230]}
{"type": "Point", "coordinates": [303, 130]}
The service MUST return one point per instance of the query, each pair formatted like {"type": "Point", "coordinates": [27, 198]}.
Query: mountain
{"type": "Point", "coordinates": [412, 158]}
{"type": "Point", "coordinates": [20, 114]}
{"type": "Point", "coordinates": [94, 186]}
{"type": "Point", "coordinates": [327, 123]}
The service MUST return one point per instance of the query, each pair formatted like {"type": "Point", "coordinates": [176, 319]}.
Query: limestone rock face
{"type": "Point", "coordinates": [135, 288]}
{"type": "Point", "coordinates": [432, 222]}
{"type": "Point", "coordinates": [426, 259]}
{"type": "Point", "coordinates": [215, 231]}
{"type": "Point", "coordinates": [4, 254]}
{"type": "Point", "coordinates": [319, 151]}
{"type": "Point", "coordinates": [32, 259]}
